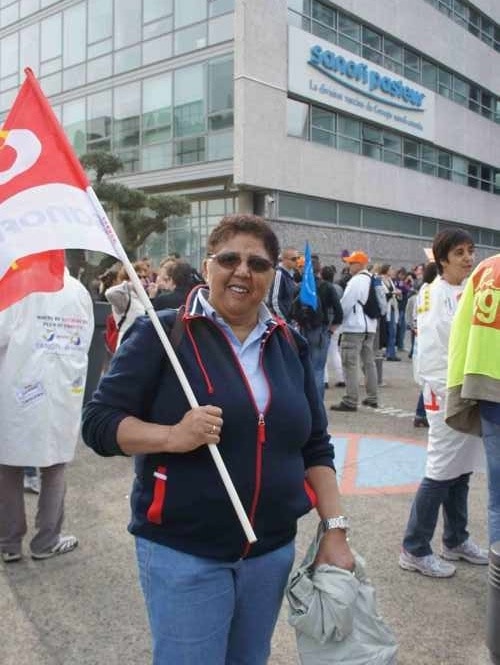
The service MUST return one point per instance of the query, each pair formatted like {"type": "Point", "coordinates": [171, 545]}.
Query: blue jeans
{"type": "Point", "coordinates": [452, 495]}
{"type": "Point", "coordinates": [391, 335]}
{"type": "Point", "coordinates": [420, 410]}
{"type": "Point", "coordinates": [208, 611]}
{"type": "Point", "coordinates": [491, 440]}
{"type": "Point", "coordinates": [401, 330]}
{"type": "Point", "coordinates": [319, 341]}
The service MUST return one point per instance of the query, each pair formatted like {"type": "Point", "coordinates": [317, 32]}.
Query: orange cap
{"type": "Point", "coordinates": [357, 257]}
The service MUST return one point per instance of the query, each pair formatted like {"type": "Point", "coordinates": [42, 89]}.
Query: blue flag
{"type": "Point", "coordinates": [307, 293]}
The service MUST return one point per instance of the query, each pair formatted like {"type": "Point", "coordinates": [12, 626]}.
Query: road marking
{"type": "Point", "coordinates": [378, 464]}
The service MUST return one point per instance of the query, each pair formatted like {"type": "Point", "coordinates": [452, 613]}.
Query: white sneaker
{"type": "Point", "coordinates": [468, 551]}
{"type": "Point", "coordinates": [64, 545]}
{"type": "Point", "coordinates": [31, 484]}
{"type": "Point", "coordinates": [429, 565]}
{"type": "Point", "coordinates": [10, 557]}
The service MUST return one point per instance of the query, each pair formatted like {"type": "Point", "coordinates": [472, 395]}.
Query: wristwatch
{"type": "Point", "coordinates": [338, 522]}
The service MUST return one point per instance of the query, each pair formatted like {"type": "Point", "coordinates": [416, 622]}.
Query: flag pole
{"type": "Point", "coordinates": [144, 298]}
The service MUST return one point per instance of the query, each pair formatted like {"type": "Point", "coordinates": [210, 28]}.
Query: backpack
{"type": "Point", "coordinates": [371, 306]}
{"type": "Point", "coordinates": [307, 317]}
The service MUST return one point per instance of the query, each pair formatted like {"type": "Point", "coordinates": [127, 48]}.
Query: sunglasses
{"type": "Point", "coordinates": [231, 260]}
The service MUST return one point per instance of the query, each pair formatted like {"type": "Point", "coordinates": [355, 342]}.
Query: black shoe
{"type": "Point", "coordinates": [420, 421]}
{"type": "Point", "coordinates": [374, 405]}
{"type": "Point", "coordinates": [340, 384]}
{"type": "Point", "coordinates": [394, 359]}
{"type": "Point", "coordinates": [342, 406]}
{"type": "Point", "coordinates": [327, 385]}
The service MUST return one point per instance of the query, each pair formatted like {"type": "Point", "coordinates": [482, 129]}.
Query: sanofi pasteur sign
{"type": "Point", "coordinates": [321, 71]}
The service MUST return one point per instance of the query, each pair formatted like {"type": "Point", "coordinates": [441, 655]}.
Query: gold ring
{"type": "Point", "coordinates": [214, 429]}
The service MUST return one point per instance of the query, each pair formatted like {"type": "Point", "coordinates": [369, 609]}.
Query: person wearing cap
{"type": "Point", "coordinates": [358, 335]}
{"type": "Point", "coordinates": [284, 288]}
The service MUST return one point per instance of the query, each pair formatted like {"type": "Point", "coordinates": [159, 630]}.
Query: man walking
{"type": "Point", "coordinates": [44, 342]}
{"type": "Point", "coordinates": [358, 336]}
{"type": "Point", "coordinates": [284, 288]}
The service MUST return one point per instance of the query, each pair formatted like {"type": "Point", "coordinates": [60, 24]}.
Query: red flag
{"type": "Point", "coordinates": [37, 272]}
{"type": "Point", "coordinates": [46, 201]}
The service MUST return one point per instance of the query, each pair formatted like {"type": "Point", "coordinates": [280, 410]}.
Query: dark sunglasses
{"type": "Point", "coordinates": [231, 260]}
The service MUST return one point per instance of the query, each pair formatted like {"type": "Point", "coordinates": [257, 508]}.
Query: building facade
{"type": "Point", "coordinates": [352, 124]}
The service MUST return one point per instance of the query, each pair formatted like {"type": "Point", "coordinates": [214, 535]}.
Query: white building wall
{"type": "Point", "coordinates": [265, 157]}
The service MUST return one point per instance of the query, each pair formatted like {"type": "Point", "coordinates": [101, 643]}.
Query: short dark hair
{"type": "Point", "coordinates": [445, 241]}
{"type": "Point", "coordinates": [232, 225]}
{"type": "Point", "coordinates": [180, 272]}
{"type": "Point", "coordinates": [327, 273]}
{"type": "Point", "coordinates": [430, 273]}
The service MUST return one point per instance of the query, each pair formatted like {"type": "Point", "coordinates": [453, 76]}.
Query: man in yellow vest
{"type": "Point", "coordinates": [473, 404]}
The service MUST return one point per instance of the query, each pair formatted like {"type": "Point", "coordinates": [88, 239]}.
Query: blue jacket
{"type": "Point", "coordinates": [178, 499]}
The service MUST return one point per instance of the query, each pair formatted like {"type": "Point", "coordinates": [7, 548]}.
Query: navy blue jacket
{"type": "Point", "coordinates": [178, 499]}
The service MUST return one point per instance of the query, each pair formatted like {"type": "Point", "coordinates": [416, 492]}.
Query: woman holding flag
{"type": "Point", "coordinates": [212, 597]}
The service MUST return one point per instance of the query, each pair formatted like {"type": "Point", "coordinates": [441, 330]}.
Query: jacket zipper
{"type": "Point", "coordinates": [261, 425]}
{"type": "Point", "coordinates": [261, 440]}
{"type": "Point", "coordinates": [261, 431]}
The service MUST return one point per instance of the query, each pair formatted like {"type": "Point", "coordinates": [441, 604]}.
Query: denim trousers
{"type": "Point", "coordinates": [319, 341]}
{"type": "Point", "coordinates": [420, 409]}
{"type": "Point", "coordinates": [203, 611]}
{"type": "Point", "coordinates": [491, 440]}
{"type": "Point", "coordinates": [391, 335]}
{"type": "Point", "coordinates": [401, 330]}
{"type": "Point", "coordinates": [452, 495]}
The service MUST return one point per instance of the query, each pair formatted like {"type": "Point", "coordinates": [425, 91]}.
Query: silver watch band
{"type": "Point", "coordinates": [337, 522]}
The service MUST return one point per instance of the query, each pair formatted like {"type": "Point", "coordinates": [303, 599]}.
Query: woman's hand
{"type": "Point", "coordinates": [199, 426]}
{"type": "Point", "coordinates": [335, 551]}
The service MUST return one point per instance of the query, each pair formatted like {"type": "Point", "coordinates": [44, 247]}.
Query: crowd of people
{"type": "Point", "coordinates": [258, 358]}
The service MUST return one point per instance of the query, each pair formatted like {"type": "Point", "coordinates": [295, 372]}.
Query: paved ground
{"type": "Point", "coordinates": [85, 608]}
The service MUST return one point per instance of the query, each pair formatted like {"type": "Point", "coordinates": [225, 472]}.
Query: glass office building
{"type": "Point", "coordinates": [345, 123]}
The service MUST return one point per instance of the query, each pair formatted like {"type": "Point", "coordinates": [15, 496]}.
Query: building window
{"type": "Point", "coordinates": [153, 10]}
{"type": "Point", "coordinates": [326, 211]}
{"type": "Point", "coordinates": [189, 100]}
{"type": "Point", "coordinates": [297, 119]}
{"type": "Point", "coordinates": [189, 11]}
{"type": "Point", "coordinates": [100, 20]}
{"type": "Point", "coordinates": [94, 39]}
{"type": "Point", "coordinates": [157, 109]}
{"type": "Point", "coordinates": [175, 118]}
{"type": "Point", "coordinates": [338, 28]}
{"type": "Point", "coordinates": [323, 126]}
{"type": "Point", "coordinates": [99, 121]}
{"type": "Point", "coordinates": [349, 134]}
{"type": "Point", "coordinates": [471, 19]}
{"type": "Point", "coordinates": [73, 120]}
{"type": "Point", "coordinates": [126, 124]}
{"type": "Point", "coordinates": [51, 38]}
{"type": "Point", "coordinates": [336, 130]}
